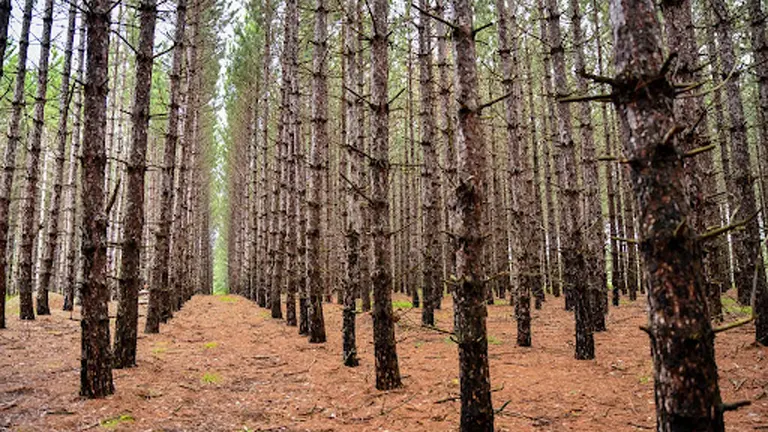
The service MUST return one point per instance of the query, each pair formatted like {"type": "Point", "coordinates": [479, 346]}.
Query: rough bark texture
{"type": "Point", "coordinates": [354, 216]}
{"type": "Point", "coordinates": [524, 256]}
{"type": "Point", "coordinates": [432, 282]}
{"type": "Point", "coordinates": [26, 310]}
{"type": "Point", "coordinates": [572, 212]}
{"type": "Point", "coordinates": [130, 283]}
{"type": "Point", "coordinates": [96, 358]}
{"type": "Point", "coordinates": [159, 288]}
{"type": "Point", "coordinates": [51, 244]}
{"type": "Point", "coordinates": [262, 290]}
{"type": "Point", "coordinates": [319, 164]}
{"type": "Point", "coordinates": [746, 243]}
{"type": "Point", "coordinates": [5, 16]}
{"type": "Point", "coordinates": [71, 252]}
{"type": "Point", "coordinates": [760, 48]}
{"type": "Point", "coordinates": [682, 340]}
{"type": "Point", "coordinates": [469, 290]}
{"type": "Point", "coordinates": [385, 352]}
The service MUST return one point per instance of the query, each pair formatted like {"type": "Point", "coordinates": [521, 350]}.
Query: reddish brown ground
{"type": "Point", "coordinates": [223, 365]}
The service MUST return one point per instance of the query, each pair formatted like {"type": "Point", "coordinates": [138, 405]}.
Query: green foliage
{"type": "Point", "coordinates": [210, 378]}
{"type": "Point", "coordinates": [732, 307]}
{"type": "Point", "coordinates": [493, 340]}
{"type": "Point", "coordinates": [402, 304]}
{"type": "Point", "coordinates": [114, 422]}
{"type": "Point", "coordinates": [211, 345]}
{"type": "Point", "coordinates": [226, 298]}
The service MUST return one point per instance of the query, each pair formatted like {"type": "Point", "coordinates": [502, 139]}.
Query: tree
{"type": "Point", "coordinates": [469, 290]}
{"type": "Point", "coordinates": [26, 311]}
{"type": "Point", "coordinates": [128, 306]}
{"type": "Point", "coordinates": [682, 340]}
{"type": "Point", "coordinates": [51, 245]}
{"type": "Point", "coordinates": [318, 165]}
{"type": "Point", "coordinates": [96, 357]}
{"type": "Point", "coordinates": [159, 290]}
{"type": "Point", "coordinates": [385, 350]}
{"type": "Point", "coordinates": [432, 281]}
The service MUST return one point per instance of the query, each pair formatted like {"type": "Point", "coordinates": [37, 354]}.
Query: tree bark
{"type": "Point", "coordinates": [682, 340]}
{"type": "Point", "coordinates": [26, 310]}
{"type": "Point", "coordinates": [96, 358]}
{"type": "Point", "coordinates": [130, 283]}
{"type": "Point", "coordinates": [159, 291]}
{"type": "Point", "coordinates": [469, 292]}
{"type": "Point", "coordinates": [318, 164]}
{"type": "Point", "coordinates": [385, 351]}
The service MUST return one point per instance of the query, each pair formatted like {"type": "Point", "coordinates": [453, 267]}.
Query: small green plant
{"type": "Point", "coordinates": [645, 379]}
{"type": "Point", "coordinates": [228, 298]}
{"type": "Point", "coordinates": [160, 348]}
{"type": "Point", "coordinates": [210, 378]}
{"type": "Point", "coordinates": [115, 421]}
{"type": "Point", "coordinates": [624, 302]}
{"type": "Point", "coordinates": [419, 344]}
{"type": "Point", "coordinates": [732, 307]}
{"type": "Point", "coordinates": [493, 340]}
{"type": "Point", "coordinates": [402, 304]}
{"type": "Point", "coordinates": [211, 345]}
{"type": "Point", "coordinates": [449, 340]}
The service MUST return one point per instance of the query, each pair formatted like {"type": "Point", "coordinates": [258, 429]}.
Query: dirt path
{"type": "Point", "coordinates": [223, 365]}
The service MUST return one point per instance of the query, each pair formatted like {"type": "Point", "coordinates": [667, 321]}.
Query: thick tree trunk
{"type": "Point", "coordinates": [682, 340]}
{"type": "Point", "coordinates": [130, 283]}
{"type": "Point", "coordinates": [26, 309]}
{"type": "Point", "coordinates": [159, 289]}
{"type": "Point", "coordinates": [469, 292]}
{"type": "Point", "coordinates": [96, 358]}
{"type": "Point", "coordinates": [385, 352]}
{"type": "Point", "coordinates": [318, 164]}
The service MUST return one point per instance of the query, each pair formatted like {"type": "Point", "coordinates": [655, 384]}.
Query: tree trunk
{"type": "Point", "coordinates": [5, 16]}
{"type": "Point", "coordinates": [682, 340]}
{"type": "Point", "coordinates": [318, 164]}
{"type": "Point", "coordinates": [159, 290]}
{"type": "Point", "coordinates": [385, 351]}
{"type": "Point", "coordinates": [26, 309]}
{"type": "Point", "coordinates": [747, 242]}
{"type": "Point", "coordinates": [760, 48]}
{"type": "Point", "coordinates": [96, 358]}
{"type": "Point", "coordinates": [468, 293]}
{"type": "Point", "coordinates": [51, 245]}
{"type": "Point", "coordinates": [69, 277]}
{"type": "Point", "coordinates": [130, 283]}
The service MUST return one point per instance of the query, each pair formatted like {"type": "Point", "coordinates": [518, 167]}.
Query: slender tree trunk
{"type": "Point", "coordinates": [362, 163]}
{"type": "Point", "coordinates": [26, 310]}
{"type": "Point", "coordinates": [432, 282]}
{"type": "Point", "coordinates": [130, 283]}
{"type": "Point", "coordinates": [682, 340]}
{"type": "Point", "coordinates": [159, 291]}
{"type": "Point", "coordinates": [5, 16]}
{"type": "Point", "coordinates": [318, 164]}
{"type": "Point", "coordinates": [746, 243]}
{"type": "Point", "coordinates": [96, 358]}
{"type": "Point", "coordinates": [760, 48]}
{"type": "Point", "coordinates": [51, 245]}
{"type": "Point", "coordinates": [385, 351]}
{"type": "Point", "coordinates": [69, 277]}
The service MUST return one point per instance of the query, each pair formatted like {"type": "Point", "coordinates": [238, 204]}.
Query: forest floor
{"type": "Point", "coordinates": [222, 364]}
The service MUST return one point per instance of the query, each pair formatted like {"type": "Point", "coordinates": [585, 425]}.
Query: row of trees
{"type": "Point", "coordinates": [496, 169]}
{"type": "Point", "coordinates": [102, 216]}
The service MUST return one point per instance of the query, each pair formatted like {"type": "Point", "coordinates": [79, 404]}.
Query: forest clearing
{"type": "Point", "coordinates": [223, 364]}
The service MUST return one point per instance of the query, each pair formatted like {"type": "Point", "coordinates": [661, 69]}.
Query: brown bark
{"type": "Point", "coordinates": [385, 352]}
{"type": "Point", "coordinates": [5, 16]}
{"type": "Point", "coordinates": [682, 340]}
{"type": "Point", "coordinates": [96, 358]}
{"type": "Point", "coordinates": [432, 259]}
{"type": "Point", "coordinates": [130, 283]}
{"type": "Point", "coordinates": [51, 245]}
{"type": "Point", "coordinates": [26, 310]}
{"type": "Point", "coordinates": [319, 165]}
{"type": "Point", "coordinates": [469, 292]}
{"type": "Point", "coordinates": [747, 242]}
{"type": "Point", "coordinates": [159, 288]}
